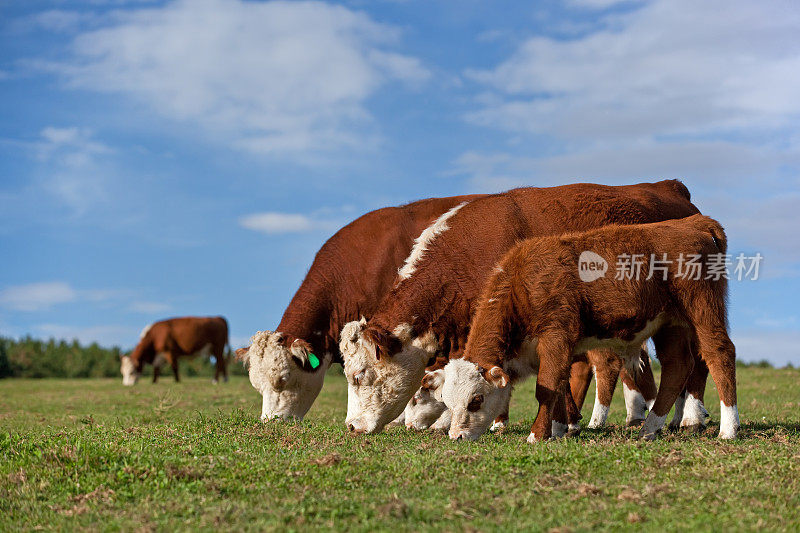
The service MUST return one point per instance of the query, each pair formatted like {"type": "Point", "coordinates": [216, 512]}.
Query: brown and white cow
{"type": "Point", "coordinates": [166, 341]}
{"type": "Point", "coordinates": [430, 307]}
{"type": "Point", "coordinates": [537, 311]}
{"type": "Point", "coordinates": [427, 409]}
{"type": "Point", "coordinates": [350, 275]}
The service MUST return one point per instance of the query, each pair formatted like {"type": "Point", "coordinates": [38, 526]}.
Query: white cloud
{"type": "Point", "coordinates": [37, 296]}
{"type": "Point", "coordinates": [75, 171]}
{"type": "Point", "coordinates": [273, 77]}
{"type": "Point", "coordinates": [274, 223]}
{"type": "Point", "coordinates": [670, 67]}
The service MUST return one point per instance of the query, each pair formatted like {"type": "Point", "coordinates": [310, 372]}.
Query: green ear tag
{"type": "Point", "coordinates": [313, 360]}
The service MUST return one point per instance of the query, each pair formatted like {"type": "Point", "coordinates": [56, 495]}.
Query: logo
{"type": "Point", "coordinates": [591, 266]}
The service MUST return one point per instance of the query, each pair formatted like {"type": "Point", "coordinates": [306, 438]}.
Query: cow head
{"type": "Point", "coordinates": [383, 371]}
{"type": "Point", "coordinates": [285, 375]}
{"type": "Point", "coordinates": [475, 397]}
{"type": "Point", "coordinates": [129, 370]}
{"type": "Point", "coordinates": [426, 406]}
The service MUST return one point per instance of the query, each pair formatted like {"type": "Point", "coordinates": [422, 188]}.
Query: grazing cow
{"type": "Point", "coordinates": [168, 340]}
{"type": "Point", "coordinates": [430, 307]}
{"type": "Point", "coordinates": [537, 311]}
{"type": "Point", "coordinates": [350, 275]}
{"type": "Point", "coordinates": [427, 409]}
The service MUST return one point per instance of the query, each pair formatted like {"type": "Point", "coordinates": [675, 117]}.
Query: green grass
{"type": "Point", "coordinates": [88, 454]}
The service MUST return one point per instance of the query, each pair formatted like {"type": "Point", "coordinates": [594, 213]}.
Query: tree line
{"type": "Point", "coordinates": [35, 358]}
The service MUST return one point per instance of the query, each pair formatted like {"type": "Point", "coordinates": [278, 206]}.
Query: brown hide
{"type": "Point", "coordinates": [537, 293]}
{"type": "Point", "coordinates": [354, 270]}
{"type": "Point", "coordinates": [181, 337]}
{"type": "Point", "coordinates": [442, 294]}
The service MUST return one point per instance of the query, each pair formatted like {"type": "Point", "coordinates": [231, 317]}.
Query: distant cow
{"type": "Point", "coordinates": [350, 275]}
{"type": "Point", "coordinates": [166, 341]}
{"type": "Point", "coordinates": [430, 308]}
{"type": "Point", "coordinates": [537, 311]}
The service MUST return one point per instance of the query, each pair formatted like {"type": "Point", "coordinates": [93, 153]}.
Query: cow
{"type": "Point", "coordinates": [349, 276]}
{"type": "Point", "coordinates": [537, 311]}
{"type": "Point", "coordinates": [430, 307]}
{"type": "Point", "coordinates": [168, 340]}
{"type": "Point", "coordinates": [427, 409]}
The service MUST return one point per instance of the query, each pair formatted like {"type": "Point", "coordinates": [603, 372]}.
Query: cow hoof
{"type": "Point", "coordinates": [650, 436]}
{"type": "Point", "coordinates": [214, 382]}
{"type": "Point", "coordinates": [532, 439]}
{"type": "Point", "coordinates": [573, 431]}
{"type": "Point", "coordinates": [635, 422]}
{"type": "Point", "coordinates": [693, 428]}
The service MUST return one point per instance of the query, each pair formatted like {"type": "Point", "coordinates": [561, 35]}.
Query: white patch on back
{"type": "Point", "coordinates": [425, 238]}
{"type": "Point", "coordinates": [145, 330]}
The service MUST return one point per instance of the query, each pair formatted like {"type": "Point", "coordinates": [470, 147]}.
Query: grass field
{"type": "Point", "coordinates": [88, 454]}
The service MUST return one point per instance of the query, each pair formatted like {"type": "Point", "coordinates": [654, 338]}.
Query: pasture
{"type": "Point", "coordinates": [78, 454]}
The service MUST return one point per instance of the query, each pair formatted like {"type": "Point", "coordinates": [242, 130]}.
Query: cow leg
{"type": "Point", "coordinates": [607, 368]}
{"type": "Point", "coordinates": [554, 364]}
{"type": "Point", "coordinates": [221, 369]}
{"type": "Point", "coordinates": [639, 390]}
{"type": "Point", "coordinates": [676, 363]}
{"type": "Point", "coordinates": [156, 372]}
{"type": "Point", "coordinates": [675, 423]}
{"type": "Point", "coordinates": [580, 377]}
{"type": "Point", "coordinates": [501, 421]}
{"type": "Point", "coordinates": [174, 362]}
{"type": "Point", "coordinates": [694, 411]}
{"type": "Point", "coordinates": [717, 350]}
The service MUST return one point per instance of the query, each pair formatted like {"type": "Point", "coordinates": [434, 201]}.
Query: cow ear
{"type": "Point", "coordinates": [243, 355]}
{"type": "Point", "coordinates": [497, 377]}
{"type": "Point", "coordinates": [433, 380]}
{"type": "Point", "coordinates": [300, 349]}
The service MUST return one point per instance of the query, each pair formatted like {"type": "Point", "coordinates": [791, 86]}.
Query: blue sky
{"type": "Point", "coordinates": [190, 157]}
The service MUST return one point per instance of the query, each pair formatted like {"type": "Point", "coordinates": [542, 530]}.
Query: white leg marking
{"type": "Point", "coordinates": [574, 427]}
{"type": "Point", "coordinates": [599, 411]}
{"type": "Point", "coordinates": [652, 425]}
{"type": "Point", "coordinates": [532, 439]}
{"type": "Point", "coordinates": [728, 421]}
{"type": "Point", "coordinates": [599, 415]}
{"type": "Point", "coordinates": [558, 429]}
{"type": "Point", "coordinates": [678, 416]}
{"type": "Point", "coordinates": [694, 412]}
{"type": "Point", "coordinates": [634, 404]}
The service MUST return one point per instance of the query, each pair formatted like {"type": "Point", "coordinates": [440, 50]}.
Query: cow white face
{"type": "Point", "coordinates": [473, 401]}
{"type": "Point", "coordinates": [275, 371]}
{"type": "Point", "coordinates": [129, 373]}
{"type": "Point", "coordinates": [426, 406]}
{"type": "Point", "coordinates": [379, 389]}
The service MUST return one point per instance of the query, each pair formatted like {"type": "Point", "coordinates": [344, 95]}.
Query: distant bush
{"type": "Point", "coordinates": [34, 358]}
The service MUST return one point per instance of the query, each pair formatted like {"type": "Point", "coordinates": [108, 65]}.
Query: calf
{"type": "Point", "coordinates": [430, 307]}
{"type": "Point", "coordinates": [350, 274]}
{"type": "Point", "coordinates": [427, 409]}
{"type": "Point", "coordinates": [166, 341]}
{"type": "Point", "coordinates": [536, 312]}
